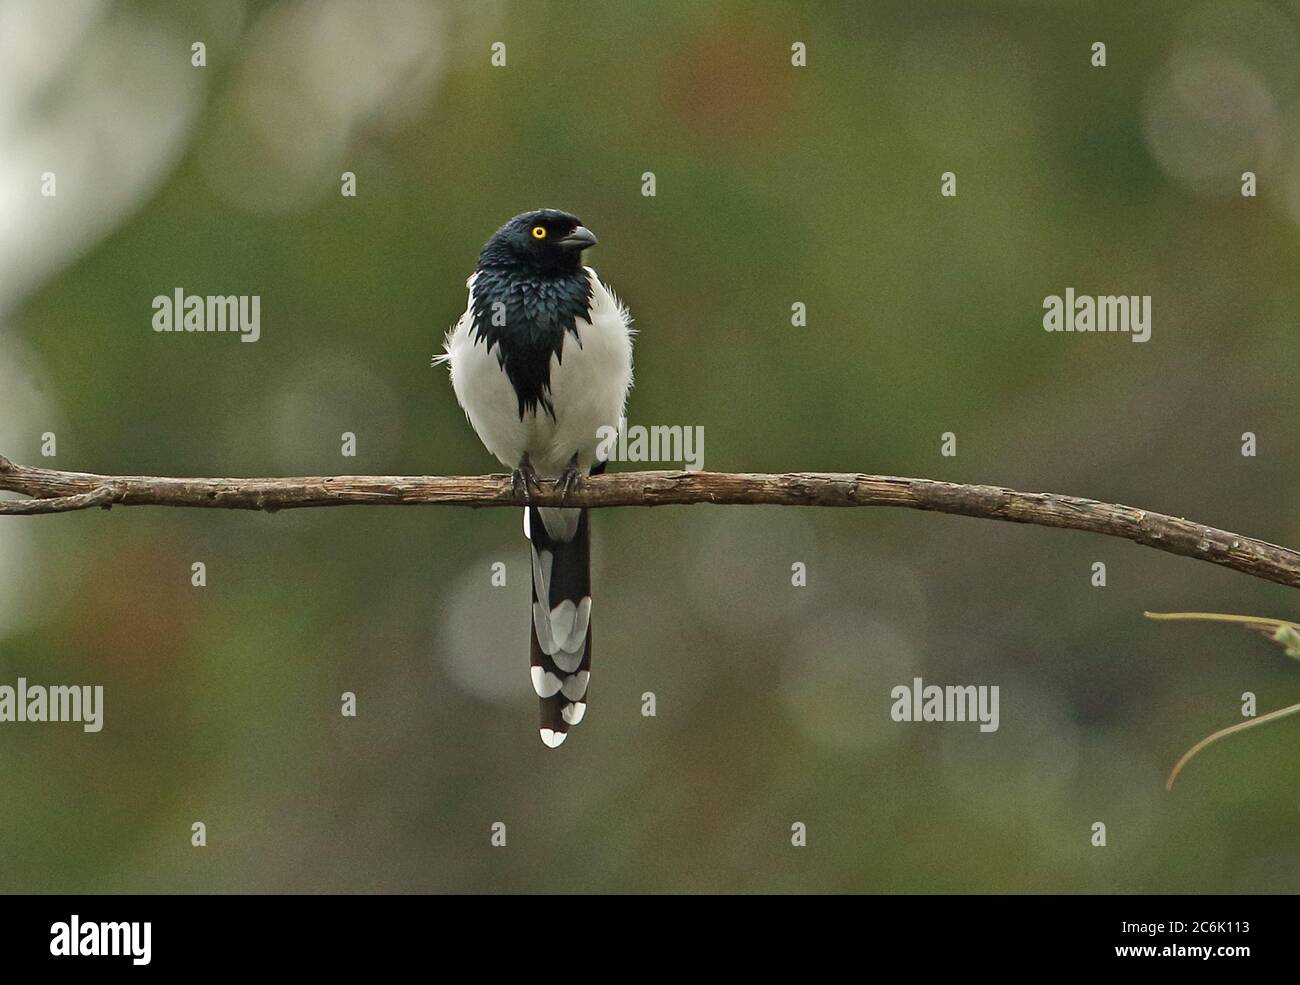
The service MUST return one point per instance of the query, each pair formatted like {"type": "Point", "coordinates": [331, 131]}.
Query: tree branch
{"type": "Point", "coordinates": [57, 492]}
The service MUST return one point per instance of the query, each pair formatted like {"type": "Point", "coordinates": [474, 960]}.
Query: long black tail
{"type": "Point", "coordinates": [560, 650]}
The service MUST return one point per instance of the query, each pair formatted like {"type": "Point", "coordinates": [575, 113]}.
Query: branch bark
{"type": "Point", "coordinates": [61, 492]}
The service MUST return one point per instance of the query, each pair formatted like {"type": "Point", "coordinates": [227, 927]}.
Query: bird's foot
{"type": "Point", "coordinates": [569, 479]}
{"type": "Point", "coordinates": [523, 477]}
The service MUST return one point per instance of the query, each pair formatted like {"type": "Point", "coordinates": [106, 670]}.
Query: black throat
{"type": "Point", "coordinates": [526, 314]}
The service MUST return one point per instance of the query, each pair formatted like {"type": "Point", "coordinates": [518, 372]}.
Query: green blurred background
{"type": "Point", "coordinates": [775, 184]}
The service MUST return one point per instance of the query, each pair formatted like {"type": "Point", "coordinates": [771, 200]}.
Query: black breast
{"type": "Point", "coordinates": [526, 318]}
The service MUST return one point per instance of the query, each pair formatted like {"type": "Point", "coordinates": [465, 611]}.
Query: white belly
{"type": "Point", "coordinates": [588, 390]}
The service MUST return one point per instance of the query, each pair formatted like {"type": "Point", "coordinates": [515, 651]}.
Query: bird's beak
{"type": "Point", "coordinates": [579, 239]}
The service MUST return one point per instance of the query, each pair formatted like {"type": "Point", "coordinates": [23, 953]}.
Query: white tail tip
{"type": "Point", "coordinates": [573, 713]}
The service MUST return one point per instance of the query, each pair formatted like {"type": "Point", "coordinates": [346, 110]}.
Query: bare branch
{"type": "Point", "coordinates": [101, 496]}
{"type": "Point", "coordinates": [65, 491]}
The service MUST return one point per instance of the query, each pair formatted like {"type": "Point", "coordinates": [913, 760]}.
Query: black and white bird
{"type": "Point", "coordinates": [541, 361]}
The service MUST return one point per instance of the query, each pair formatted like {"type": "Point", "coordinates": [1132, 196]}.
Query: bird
{"type": "Point", "coordinates": [541, 363]}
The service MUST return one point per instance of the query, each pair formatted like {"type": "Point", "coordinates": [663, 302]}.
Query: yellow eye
{"type": "Point", "coordinates": [539, 232]}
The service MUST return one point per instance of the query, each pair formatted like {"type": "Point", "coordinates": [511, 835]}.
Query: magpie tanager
{"type": "Point", "coordinates": [541, 361]}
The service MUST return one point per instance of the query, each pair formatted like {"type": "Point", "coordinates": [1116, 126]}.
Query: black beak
{"type": "Point", "coordinates": [579, 239]}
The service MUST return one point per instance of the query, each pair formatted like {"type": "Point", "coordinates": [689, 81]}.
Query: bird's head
{"type": "Point", "coordinates": [546, 241]}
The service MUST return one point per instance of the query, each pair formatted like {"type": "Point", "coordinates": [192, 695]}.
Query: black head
{"type": "Point", "coordinates": [546, 241]}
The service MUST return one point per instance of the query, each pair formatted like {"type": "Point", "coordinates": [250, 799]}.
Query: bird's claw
{"type": "Point", "coordinates": [568, 481]}
{"type": "Point", "coordinates": [523, 477]}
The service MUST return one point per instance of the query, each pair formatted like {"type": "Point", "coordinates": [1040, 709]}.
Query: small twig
{"type": "Point", "coordinates": [101, 496]}
{"type": "Point", "coordinates": [1251, 622]}
{"type": "Point", "coordinates": [1283, 631]}
{"type": "Point", "coordinates": [1272, 716]}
